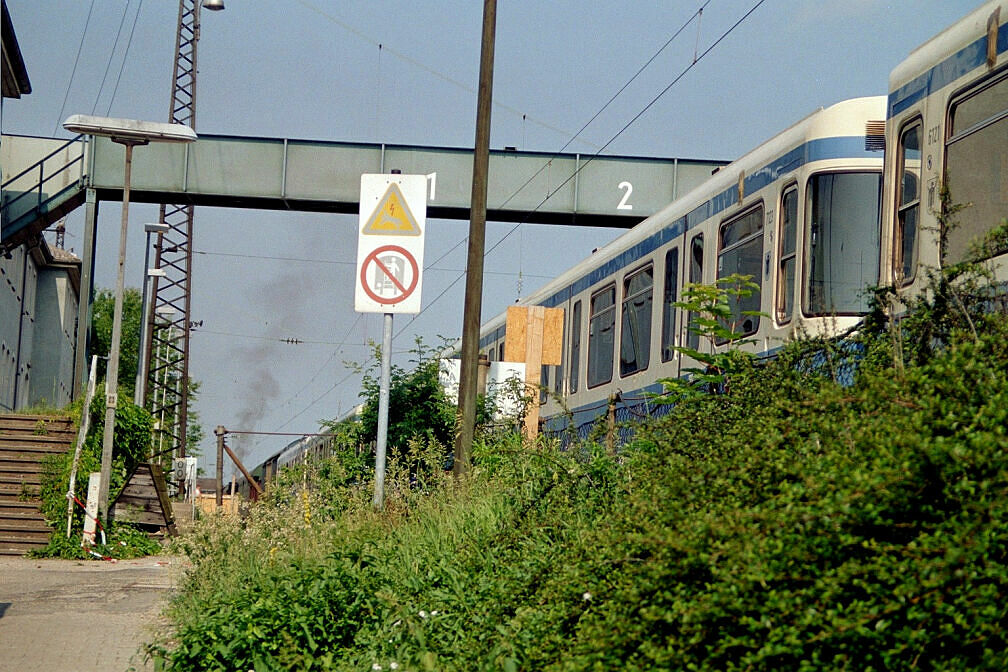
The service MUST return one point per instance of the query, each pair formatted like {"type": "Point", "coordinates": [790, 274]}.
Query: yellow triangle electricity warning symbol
{"type": "Point", "coordinates": [392, 217]}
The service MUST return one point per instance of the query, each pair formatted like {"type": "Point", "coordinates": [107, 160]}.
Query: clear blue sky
{"type": "Point", "coordinates": [314, 69]}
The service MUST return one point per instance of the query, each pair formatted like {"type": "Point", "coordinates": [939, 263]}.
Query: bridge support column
{"type": "Point", "coordinates": [86, 292]}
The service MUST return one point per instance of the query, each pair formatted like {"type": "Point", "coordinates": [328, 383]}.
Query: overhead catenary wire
{"type": "Point", "coordinates": [108, 65]}
{"type": "Point", "coordinates": [651, 103]}
{"type": "Point", "coordinates": [622, 130]}
{"type": "Point", "coordinates": [426, 68]}
{"type": "Point", "coordinates": [696, 59]}
{"type": "Point", "coordinates": [609, 102]}
{"type": "Point", "coordinates": [304, 260]}
{"type": "Point", "coordinates": [122, 66]}
{"type": "Point", "coordinates": [314, 377]}
{"type": "Point", "coordinates": [289, 340]}
{"type": "Point", "coordinates": [545, 164]}
{"type": "Point", "coordinates": [73, 72]}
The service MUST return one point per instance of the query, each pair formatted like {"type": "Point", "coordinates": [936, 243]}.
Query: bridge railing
{"type": "Point", "coordinates": [39, 191]}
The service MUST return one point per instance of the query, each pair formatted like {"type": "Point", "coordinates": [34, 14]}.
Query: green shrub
{"type": "Point", "coordinates": [787, 522]}
{"type": "Point", "coordinates": [132, 445]}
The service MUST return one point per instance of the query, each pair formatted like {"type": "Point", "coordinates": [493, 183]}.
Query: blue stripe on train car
{"type": "Point", "coordinates": [952, 68]}
{"type": "Point", "coordinates": [822, 149]}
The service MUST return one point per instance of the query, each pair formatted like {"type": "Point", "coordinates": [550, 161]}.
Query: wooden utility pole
{"type": "Point", "coordinates": [219, 432]}
{"type": "Point", "coordinates": [477, 244]}
{"type": "Point", "coordinates": [241, 467]}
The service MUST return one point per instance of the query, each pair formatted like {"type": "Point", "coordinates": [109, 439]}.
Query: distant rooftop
{"type": "Point", "coordinates": [63, 256]}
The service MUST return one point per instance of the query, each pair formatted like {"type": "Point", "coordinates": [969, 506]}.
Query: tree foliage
{"type": "Point", "coordinates": [129, 358]}
{"type": "Point", "coordinates": [418, 408]}
{"type": "Point", "coordinates": [129, 341]}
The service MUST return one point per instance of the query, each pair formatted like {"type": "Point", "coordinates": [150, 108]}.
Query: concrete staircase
{"type": "Point", "coordinates": [25, 440]}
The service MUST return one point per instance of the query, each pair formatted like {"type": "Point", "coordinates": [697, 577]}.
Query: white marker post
{"type": "Point", "coordinates": [390, 245]}
{"type": "Point", "coordinates": [91, 509]}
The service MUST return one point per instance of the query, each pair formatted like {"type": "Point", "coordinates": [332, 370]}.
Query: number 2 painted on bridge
{"type": "Point", "coordinates": [628, 189]}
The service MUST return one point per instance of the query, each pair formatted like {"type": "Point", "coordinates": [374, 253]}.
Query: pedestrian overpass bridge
{"type": "Point", "coordinates": [44, 179]}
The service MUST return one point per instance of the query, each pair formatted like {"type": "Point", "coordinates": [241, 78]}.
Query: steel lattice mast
{"type": "Point", "coordinates": [170, 320]}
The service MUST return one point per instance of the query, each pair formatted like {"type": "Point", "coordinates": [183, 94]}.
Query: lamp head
{"type": "Point", "coordinates": [213, 5]}
{"type": "Point", "coordinates": [129, 130]}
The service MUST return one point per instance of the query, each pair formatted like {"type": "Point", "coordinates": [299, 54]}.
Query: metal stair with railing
{"type": "Point", "coordinates": [42, 193]}
{"type": "Point", "coordinates": [25, 442]}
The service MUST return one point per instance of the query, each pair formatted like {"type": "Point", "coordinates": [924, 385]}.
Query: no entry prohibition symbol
{"type": "Point", "coordinates": [389, 274]}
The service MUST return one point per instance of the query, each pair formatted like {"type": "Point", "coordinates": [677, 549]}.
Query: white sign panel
{"type": "Point", "coordinates": [505, 385]}
{"type": "Point", "coordinates": [390, 243]}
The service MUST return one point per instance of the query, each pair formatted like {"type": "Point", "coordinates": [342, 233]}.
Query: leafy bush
{"type": "Point", "coordinates": [417, 405]}
{"type": "Point", "coordinates": [132, 445]}
{"type": "Point", "coordinates": [787, 522]}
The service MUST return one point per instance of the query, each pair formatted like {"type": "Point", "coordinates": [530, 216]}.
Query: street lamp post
{"type": "Point", "coordinates": [140, 388]}
{"type": "Point", "coordinates": [129, 133]}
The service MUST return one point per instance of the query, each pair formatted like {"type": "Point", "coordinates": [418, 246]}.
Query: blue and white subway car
{"type": "Point", "coordinates": [800, 214]}
{"type": "Point", "coordinates": [947, 125]}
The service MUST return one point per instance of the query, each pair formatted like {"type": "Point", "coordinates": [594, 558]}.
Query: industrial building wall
{"type": "Point", "coordinates": [18, 282]}
{"type": "Point", "coordinates": [54, 340]}
{"type": "Point", "coordinates": [11, 274]}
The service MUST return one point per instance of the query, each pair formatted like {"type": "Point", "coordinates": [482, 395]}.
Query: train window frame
{"type": "Point", "coordinates": [757, 235]}
{"type": "Point", "coordinates": [575, 349]}
{"type": "Point", "coordinates": [594, 336]}
{"type": "Point", "coordinates": [783, 311]}
{"type": "Point", "coordinates": [544, 383]}
{"type": "Point", "coordinates": [691, 264]}
{"type": "Point", "coordinates": [900, 275]}
{"type": "Point", "coordinates": [808, 262]}
{"type": "Point", "coordinates": [670, 294]}
{"type": "Point", "coordinates": [955, 135]}
{"type": "Point", "coordinates": [643, 345]}
{"type": "Point", "coordinates": [559, 369]}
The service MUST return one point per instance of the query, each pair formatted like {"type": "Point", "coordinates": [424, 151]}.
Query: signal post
{"type": "Point", "coordinates": [390, 246]}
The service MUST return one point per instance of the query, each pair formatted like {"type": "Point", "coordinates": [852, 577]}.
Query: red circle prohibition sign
{"type": "Point", "coordinates": [405, 290]}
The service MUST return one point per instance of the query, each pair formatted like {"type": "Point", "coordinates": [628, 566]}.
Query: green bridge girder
{"type": "Point", "coordinates": [324, 176]}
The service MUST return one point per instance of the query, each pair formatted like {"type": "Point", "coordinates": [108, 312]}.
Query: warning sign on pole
{"type": "Point", "coordinates": [390, 244]}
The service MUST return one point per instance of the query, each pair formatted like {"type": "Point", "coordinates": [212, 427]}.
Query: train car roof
{"type": "Point", "coordinates": [958, 49]}
{"type": "Point", "coordinates": [832, 132]}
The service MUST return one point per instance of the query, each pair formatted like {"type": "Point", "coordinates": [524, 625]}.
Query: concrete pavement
{"type": "Point", "coordinates": [79, 616]}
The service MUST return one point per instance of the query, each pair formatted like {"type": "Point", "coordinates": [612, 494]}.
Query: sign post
{"type": "Point", "coordinates": [390, 245]}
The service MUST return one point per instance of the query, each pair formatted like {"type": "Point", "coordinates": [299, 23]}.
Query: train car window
{"type": "Point", "coordinates": [500, 352]}
{"type": "Point", "coordinates": [601, 336]}
{"type": "Point", "coordinates": [786, 255]}
{"type": "Point", "coordinates": [842, 211]}
{"type": "Point", "coordinates": [668, 304]}
{"type": "Point", "coordinates": [635, 329]}
{"type": "Point", "coordinates": [976, 170]}
{"type": "Point", "coordinates": [741, 252]}
{"type": "Point", "coordinates": [544, 383]}
{"type": "Point", "coordinates": [575, 347]}
{"type": "Point", "coordinates": [908, 199]}
{"type": "Point", "coordinates": [695, 276]}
